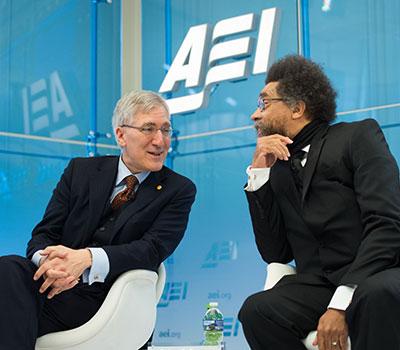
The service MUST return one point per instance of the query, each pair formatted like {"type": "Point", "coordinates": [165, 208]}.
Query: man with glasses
{"type": "Point", "coordinates": [107, 215]}
{"type": "Point", "coordinates": [327, 196]}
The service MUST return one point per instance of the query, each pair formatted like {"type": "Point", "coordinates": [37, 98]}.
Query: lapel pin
{"type": "Point", "coordinates": [159, 187]}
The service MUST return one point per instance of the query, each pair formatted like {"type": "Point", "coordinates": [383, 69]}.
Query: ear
{"type": "Point", "coordinates": [120, 136]}
{"type": "Point", "coordinates": [299, 110]}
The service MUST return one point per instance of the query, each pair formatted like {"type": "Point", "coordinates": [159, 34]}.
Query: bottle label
{"type": "Point", "coordinates": [213, 325]}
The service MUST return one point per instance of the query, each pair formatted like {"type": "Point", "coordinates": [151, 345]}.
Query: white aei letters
{"type": "Point", "coordinates": [195, 55]}
{"type": "Point", "coordinates": [193, 50]}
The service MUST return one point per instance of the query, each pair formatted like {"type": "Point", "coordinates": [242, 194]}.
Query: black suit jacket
{"type": "Point", "coordinates": [345, 225]}
{"type": "Point", "coordinates": [147, 231]}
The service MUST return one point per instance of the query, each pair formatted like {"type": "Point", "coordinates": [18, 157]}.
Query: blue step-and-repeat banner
{"type": "Point", "coordinates": [219, 54]}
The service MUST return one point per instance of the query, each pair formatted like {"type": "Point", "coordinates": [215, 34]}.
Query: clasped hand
{"type": "Point", "coordinates": [61, 268]}
{"type": "Point", "coordinates": [269, 149]}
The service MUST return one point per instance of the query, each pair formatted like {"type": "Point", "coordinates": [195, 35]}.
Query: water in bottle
{"type": "Point", "coordinates": [213, 325]}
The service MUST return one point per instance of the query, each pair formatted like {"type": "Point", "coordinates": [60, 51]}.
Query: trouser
{"type": "Point", "coordinates": [26, 314]}
{"type": "Point", "coordinates": [280, 317]}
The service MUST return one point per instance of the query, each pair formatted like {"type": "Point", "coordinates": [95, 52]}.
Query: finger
{"type": "Point", "coordinates": [343, 342]}
{"type": "Point", "coordinates": [52, 273]}
{"type": "Point", "coordinates": [54, 251]}
{"type": "Point", "coordinates": [276, 148]}
{"type": "Point", "coordinates": [285, 139]}
{"type": "Point", "coordinates": [48, 250]}
{"type": "Point", "coordinates": [46, 284]}
{"type": "Point", "coordinates": [73, 284]}
{"type": "Point", "coordinates": [61, 282]}
{"type": "Point", "coordinates": [332, 344]}
{"type": "Point", "coordinates": [44, 267]}
{"type": "Point", "coordinates": [282, 152]}
{"type": "Point", "coordinates": [68, 286]}
{"type": "Point", "coordinates": [315, 342]}
{"type": "Point", "coordinates": [53, 292]}
{"type": "Point", "coordinates": [42, 260]}
{"type": "Point", "coordinates": [285, 152]}
{"type": "Point", "coordinates": [322, 343]}
{"type": "Point", "coordinates": [57, 254]}
{"type": "Point", "coordinates": [288, 140]}
{"type": "Point", "coordinates": [39, 273]}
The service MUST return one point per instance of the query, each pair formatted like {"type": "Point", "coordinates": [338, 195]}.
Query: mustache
{"type": "Point", "coordinates": [261, 129]}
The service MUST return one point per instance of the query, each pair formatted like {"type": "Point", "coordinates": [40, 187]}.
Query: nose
{"type": "Point", "coordinates": [158, 139]}
{"type": "Point", "coordinates": [256, 115]}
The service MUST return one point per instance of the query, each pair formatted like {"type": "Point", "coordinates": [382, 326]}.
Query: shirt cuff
{"type": "Point", "coordinates": [256, 178]}
{"type": "Point", "coordinates": [99, 269]}
{"type": "Point", "coordinates": [342, 297]}
{"type": "Point", "coordinates": [36, 257]}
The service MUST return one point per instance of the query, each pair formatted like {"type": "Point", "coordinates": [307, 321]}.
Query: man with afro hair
{"type": "Point", "coordinates": [328, 197]}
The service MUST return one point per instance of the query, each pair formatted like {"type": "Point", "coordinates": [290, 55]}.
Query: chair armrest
{"type": "Point", "coordinates": [309, 340]}
{"type": "Point", "coordinates": [160, 282]}
{"type": "Point", "coordinates": [129, 309]}
{"type": "Point", "coordinates": [275, 271]}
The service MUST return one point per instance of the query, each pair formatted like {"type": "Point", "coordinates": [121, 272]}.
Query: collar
{"type": "Point", "coordinates": [123, 172]}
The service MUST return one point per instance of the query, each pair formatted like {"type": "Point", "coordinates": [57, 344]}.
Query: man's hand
{"type": "Point", "coordinates": [269, 149]}
{"type": "Point", "coordinates": [61, 268]}
{"type": "Point", "coordinates": [332, 331]}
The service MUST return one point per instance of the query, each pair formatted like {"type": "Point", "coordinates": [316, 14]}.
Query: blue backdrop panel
{"type": "Point", "coordinates": [45, 101]}
{"type": "Point", "coordinates": [356, 42]}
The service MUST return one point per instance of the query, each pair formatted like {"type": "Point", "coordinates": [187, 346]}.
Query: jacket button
{"type": "Point", "coordinates": [102, 228]}
{"type": "Point", "coordinates": [112, 218]}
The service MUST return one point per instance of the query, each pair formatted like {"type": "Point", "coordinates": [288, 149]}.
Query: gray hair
{"type": "Point", "coordinates": [134, 102]}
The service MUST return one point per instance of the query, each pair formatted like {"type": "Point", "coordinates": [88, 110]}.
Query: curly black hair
{"type": "Point", "coordinates": [302, 79]}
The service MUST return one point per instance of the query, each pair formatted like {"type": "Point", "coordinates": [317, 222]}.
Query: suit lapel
{"type": "Point", "coordinates": [102, 182]}
{"type": "Point", "coordinates": [147, 192]}
{"type": "Point", "coordinates": [317, 144]}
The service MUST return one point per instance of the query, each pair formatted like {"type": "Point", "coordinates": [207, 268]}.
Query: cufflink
{"type": "Point", "coordinates": [159, 187]}
{"type": "Point", "coordinates": [96, 277]}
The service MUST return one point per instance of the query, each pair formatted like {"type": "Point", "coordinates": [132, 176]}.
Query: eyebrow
{"type": "Point", "coordinates": [154, 124]}
{"type": "Point", "coordinates": [264, 94]}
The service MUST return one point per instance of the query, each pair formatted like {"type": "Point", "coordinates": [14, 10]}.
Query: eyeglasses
{"type": "Point", "coordinates": [264, 101]}
{"type": "Point", "coordinates": [151, 130]}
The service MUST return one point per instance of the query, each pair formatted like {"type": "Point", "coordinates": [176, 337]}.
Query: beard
{"type": "Point", "coordinates": [264, 129]}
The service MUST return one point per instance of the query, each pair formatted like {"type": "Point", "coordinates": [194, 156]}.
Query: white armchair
{"type": "Point", "coordinates": [275, 271]}
{"type": "Point", "coordinates": [125, 320]}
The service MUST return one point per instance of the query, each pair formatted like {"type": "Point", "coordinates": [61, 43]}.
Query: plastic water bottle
{"type": "Point", "coordinates": [213, 325]}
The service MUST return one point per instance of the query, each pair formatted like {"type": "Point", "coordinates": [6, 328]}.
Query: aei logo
{"type": "Point", "coordinates": [231, 327]}
{"type": "Point", "coordinates": [194, 55]}
{"type": "Point", "coordinates": [173, 291]}
{"type": "Point", "coordinates": [221, 251]}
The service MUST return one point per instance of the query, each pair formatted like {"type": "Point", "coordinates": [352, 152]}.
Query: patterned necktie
{"type": "Point", "coordinates": [127, 194]}
{"type": "Point", "coordinates": [297, 168]}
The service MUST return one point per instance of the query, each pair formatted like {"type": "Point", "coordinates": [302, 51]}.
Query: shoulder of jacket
{"type": "Point", "coordinates": [169, 173]}
{"type": "Point", "coordinates": [343, 126]}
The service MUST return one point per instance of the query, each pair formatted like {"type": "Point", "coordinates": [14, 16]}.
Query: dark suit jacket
{"type": "Point", "coordinates": [147, 231]}
{"type": "Point", "coordinates": [346, 223]}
